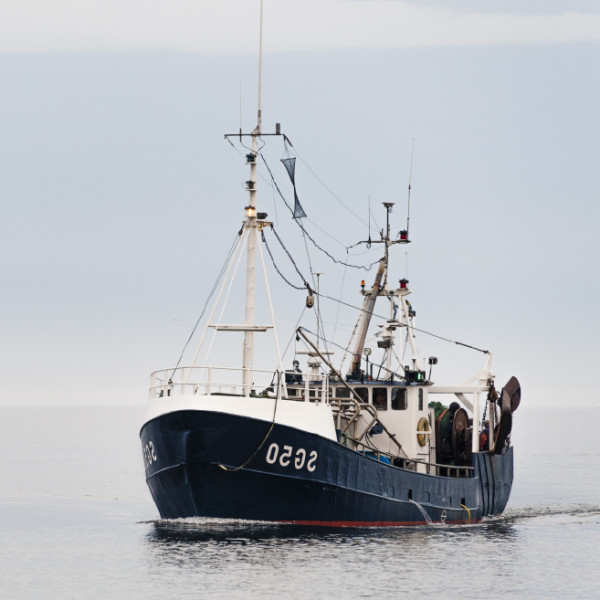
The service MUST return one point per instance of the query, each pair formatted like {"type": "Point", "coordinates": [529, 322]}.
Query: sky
{"type": "Point", "coordinates": [120, 196]}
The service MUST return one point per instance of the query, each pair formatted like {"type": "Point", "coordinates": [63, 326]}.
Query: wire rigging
{"type": "Point", "coordinates": [319, 180]}
{"type": "Point", "coordinates": [359, 308]}
{"type": "Point", "coordinates": [366, 268]}
{"type": "Point", "coordinates": [275, 187]}
{"type": "Point", "coordinates": [306, 285]}
{"type": "Point", "coordinates": [210, 295]}
{"type": "Point", "coordinates": [335, 260]}
{"type": "Point", "coordinates": [338, 308]}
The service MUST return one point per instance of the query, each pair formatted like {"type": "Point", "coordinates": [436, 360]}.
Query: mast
{"type": "Point", "coordinates": [250, 224]}
{"type": "Point", "coordinates": [365, 320]}
{"type": "Point", "coordinates": [379, 288]}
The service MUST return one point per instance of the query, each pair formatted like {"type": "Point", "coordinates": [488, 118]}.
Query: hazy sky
{"type": "Point", "coordinates": [120, 197]}
{"type": "Point", "coordinates": [210, 27]}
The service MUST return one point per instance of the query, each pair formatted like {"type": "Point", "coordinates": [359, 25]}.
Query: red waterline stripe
{"type": "Point", "coordinates": [374, 523]}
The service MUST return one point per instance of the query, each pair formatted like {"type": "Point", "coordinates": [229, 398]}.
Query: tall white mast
{"type": "Point", "coordinates": [248, 358]}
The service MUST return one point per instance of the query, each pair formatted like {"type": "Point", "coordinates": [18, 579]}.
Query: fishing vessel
{"type": "Point", "coordinates": [369, 444]}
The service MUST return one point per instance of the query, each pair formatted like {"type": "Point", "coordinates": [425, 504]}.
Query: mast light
{"type": "Point", "coordinates": [404, 235]}
{"type": "Point", "coordinates": [250, 211]}
{"type": "Point", "coordinates": [403, 284]}
{"type": "Point", "coordinates": [251, 158]}
{"type": "Point", "coordinates": [362, 284]}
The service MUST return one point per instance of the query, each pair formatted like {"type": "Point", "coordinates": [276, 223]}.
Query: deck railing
{"type": "Point", "coordinates": [405, 463]}
{"type": "Point", "coordinates": [227, 381]}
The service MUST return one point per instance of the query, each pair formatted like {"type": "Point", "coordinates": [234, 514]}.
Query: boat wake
{"type": "Point", "coordinates": [517, 514]}
{"type": "Point", "coordinates": [514, 515]}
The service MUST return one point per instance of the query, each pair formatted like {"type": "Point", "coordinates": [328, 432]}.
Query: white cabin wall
{"type": "Point", "coordinates": [403, 423]}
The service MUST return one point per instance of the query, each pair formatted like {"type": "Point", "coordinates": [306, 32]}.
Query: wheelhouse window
{"type": "Point", "coordinates": [363, 394]}
{"type": "Point", "coordinates": [380, 398]}
{"type": "Point", "coordinates": [420, 398]}
{"type": "Point", "coordinates": [399, 401]}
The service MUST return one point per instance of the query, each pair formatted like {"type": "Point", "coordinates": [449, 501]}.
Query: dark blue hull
{"type": "Point", "coordinates": [299, 477]}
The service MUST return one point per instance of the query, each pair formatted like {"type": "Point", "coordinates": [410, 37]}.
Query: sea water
{"type": "Point", "coordinates": [77, 521]}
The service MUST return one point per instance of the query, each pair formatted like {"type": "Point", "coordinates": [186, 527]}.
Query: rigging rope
{"type": "Point", "coordinates": [413, 328]}
{"type": "Point", "coordinates": [234, 469]}
{"type": "Point", "coordinates": [335, 260]}
{"type": "Point", "coordinates": [219, 277]}
{"type": "Point", "coordinates": [317, 178]}
{"type": "Point", "coordinates": [342, 348]}
{"type": "Point", "coordinates": [264, 239]}
{"type": "Point", "coordinates": [368, 268]}
{"type": "Point", "coordinates": [338, 309]}
{"type": "Point", "coordinates": [361, 309]}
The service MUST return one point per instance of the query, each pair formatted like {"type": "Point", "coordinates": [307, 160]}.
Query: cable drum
{"type": "Point", "coordinates": [423, 425]}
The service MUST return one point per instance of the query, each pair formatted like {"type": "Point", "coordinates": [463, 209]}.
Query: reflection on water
{"type": "Point", "coordinates": [262, 560]}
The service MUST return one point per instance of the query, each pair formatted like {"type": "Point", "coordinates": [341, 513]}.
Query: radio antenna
{"type": "Point", "coordinates": [260, 68]}
{"type": "Point", "coordinates": [369, 242]}
{"type": "Point", "coordinates": [409, 188]}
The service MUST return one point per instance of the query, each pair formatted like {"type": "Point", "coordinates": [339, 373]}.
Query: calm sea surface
{"type": "Point", "coordinates": [77, 521]}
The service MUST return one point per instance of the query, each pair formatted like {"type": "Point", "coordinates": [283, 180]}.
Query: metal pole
{"type": "Point", "coordinates": [411, 334]}
{"type": "Point", "coordinates": [260, 70]}
{"type": "Point", "coordinates": [248, 351]}
{"type": "Point", "coordinates": [476, 422]}
{"type": "Point", "coordinates": [318, 311]}
{"type": "Point", "coordinates": [491, 427]}
{"type": "Point", "coordinates": [262, 260]}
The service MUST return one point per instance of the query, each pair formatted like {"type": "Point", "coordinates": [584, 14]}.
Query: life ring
{"type": "Point", "coordinates": [423, 426]}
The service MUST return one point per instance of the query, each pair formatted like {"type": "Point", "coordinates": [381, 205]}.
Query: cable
{"type": "Point", "coordinates": [293, 333]}
{"type": "Point", "coordinates": [219, 277]}
{"type": "Point", "coordinates": [233, 470]}
{"type": "Point", "coordinates": [366, 268]}
{"type": "Point", "coordinates": [342, 348]}
{"type": "Point", "coordinates": [351, 305]}
{"type": "Point", "coordinates": [413, 328]}
{"type": "Point", "coordinates": [317, 178]}
{"type": "Point", "coordinates": [353, 266]}
{"type": "Point", "coordinates": [338, 310]}
{"type": "Point", "coordinates": [306, 285]}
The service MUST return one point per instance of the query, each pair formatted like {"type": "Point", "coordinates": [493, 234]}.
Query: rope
{"type": "Point", "coordinates": [354, 267]}
{"type": "Point", "coordinates": [317, 178]}
{"type": "Point", "coordinates": [439, 337]}
{"type": "Point", "coordinates": [219, 277]}
{"type": "Point", "coordinates": [335, 260]}
{"type": "Point", "coordinates": [294, 334]}
{"type": "Point", "coordinates": [338, 309]}
{"type": "Point", "coordinates": [306, 285]}
{"type": "Point", "coordinates": [233, 470]}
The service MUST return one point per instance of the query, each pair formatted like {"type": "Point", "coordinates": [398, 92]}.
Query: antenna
{"type": "Point", "coordinates": [240, 110]}
{"type": "Point", "coordinates": [319, 324]}
{"type": "Point", "coordinates": [409, 182]}
{"type": "Point", "coordinates": [260, 69]}
{"type": "Point", "coordinates": [369, 242]}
